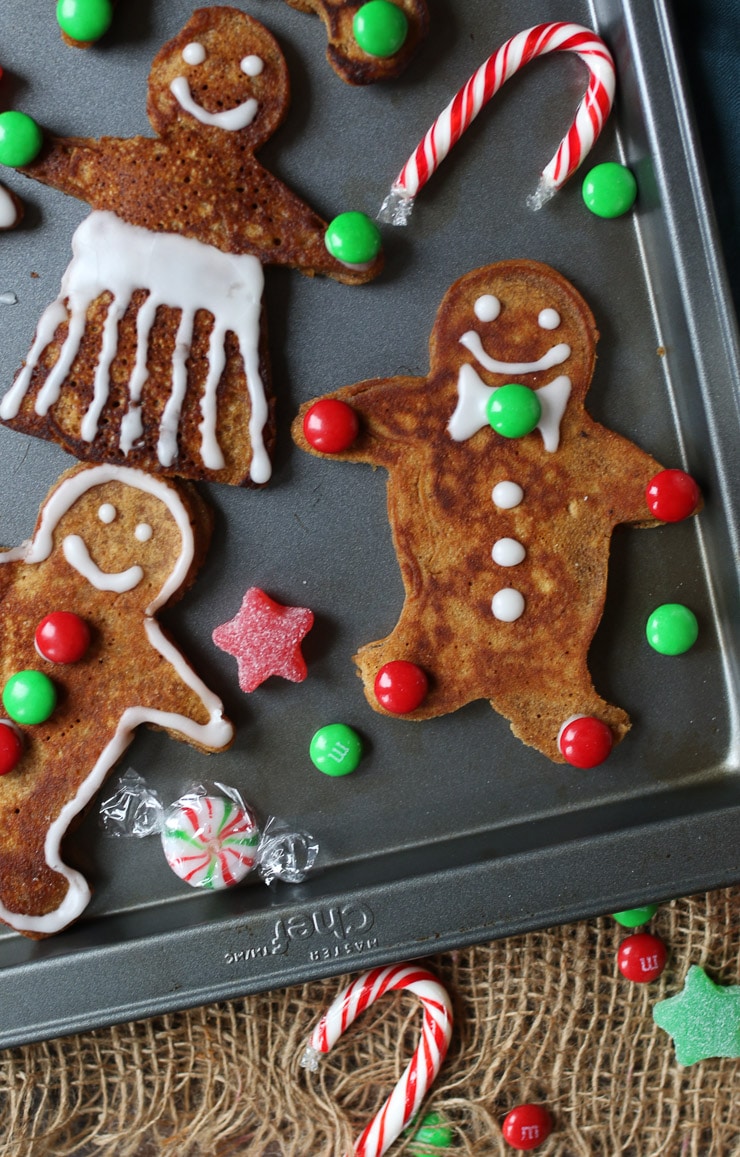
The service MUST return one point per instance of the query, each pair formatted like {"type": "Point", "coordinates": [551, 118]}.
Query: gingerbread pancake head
{"type": "Point", "coordinates": [125, 532]}
{"type": "Point", "coordinates": [223, 72]}
{"type": "Point", "coordinates": [521, 321]}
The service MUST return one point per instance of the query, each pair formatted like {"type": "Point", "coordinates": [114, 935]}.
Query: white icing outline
{"type": "Point", "coordinates": [230, 119]}
{"type": "Point", "coordinates": [214, 734]}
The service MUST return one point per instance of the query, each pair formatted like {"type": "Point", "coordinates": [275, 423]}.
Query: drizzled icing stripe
{"type": "Point", "coordinates": [215, 734]}
{"type": "Point", "coordinates": [110, 255]}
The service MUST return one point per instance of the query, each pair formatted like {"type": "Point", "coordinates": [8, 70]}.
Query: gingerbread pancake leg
{"type": "Point", "coordinates": [552, 697]}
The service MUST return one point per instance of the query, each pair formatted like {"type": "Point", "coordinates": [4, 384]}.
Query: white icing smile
{"type": "Point", "coordinates": [555, 356]}
{"type": "Point", "coordinates": [78, 557]}
{"type": "Point", "coordinates": [231, 119]}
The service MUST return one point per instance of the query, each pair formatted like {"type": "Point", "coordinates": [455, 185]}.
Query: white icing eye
{"type": "Point", "coordinates": [252, 65]}
{"type": "Point", "coordinates": [107, 512]}
{"type": "Point", "coordinates": [549, 319]}
{"type": "Point", "coordinates": [143, 532]}
{"type": "Point", "coordinates": [194, 53]}
{"type": "Point", "coordinates": [487, 307]}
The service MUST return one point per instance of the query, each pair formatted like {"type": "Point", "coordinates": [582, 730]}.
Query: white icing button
{"type": "Point", "coordinates": [507, 495]}
{"type": "Point", "coordinates": [107, 512]}
{"type": "Point", "coordinates": [508, 552]}
{"type": "Point", "coordinates": [252, 65]}
{"type": "Point", "coordinates": [549, 319]}
{"type": "Point", "coordinates": [487, 307]}
{"type": "Point", "coordinates": [507, 605]}
{"type": "Point", "coordinates": [8, 210]}
{"type": "Point", "coordinates": [143, 532]}
{"type": "Point", "coordinates": [194, 53]}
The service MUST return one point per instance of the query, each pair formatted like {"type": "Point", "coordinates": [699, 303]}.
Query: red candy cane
{"type": "Point", "coordinates": [403, 1103]}
{"type": "Point", "coordinates": [467, 103]}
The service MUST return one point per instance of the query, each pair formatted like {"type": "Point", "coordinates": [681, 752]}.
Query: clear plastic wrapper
{"type": "Point", "coordinates": [285, 854]}
{"type": "Point", "coordinates": [133, 809]}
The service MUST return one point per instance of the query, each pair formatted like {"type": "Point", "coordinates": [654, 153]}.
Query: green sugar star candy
{"type": "Point", "coordinates": [703, 1019]}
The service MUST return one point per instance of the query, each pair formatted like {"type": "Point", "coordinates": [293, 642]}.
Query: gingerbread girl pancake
{"type": "Point", "coordinates": [502, 504]}
{"type": "Point", "coordinates": [84, 662]}
{"type": "Point", "coordinates": [154, 353]}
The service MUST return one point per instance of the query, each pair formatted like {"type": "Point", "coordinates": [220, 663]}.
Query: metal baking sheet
{"type": "Point", "coordinates": [451, 831]}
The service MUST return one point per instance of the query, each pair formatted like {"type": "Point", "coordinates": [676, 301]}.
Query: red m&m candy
{"type": "Point", "coordinates": [642, 957]}
{"type": "Point", "coordinates": [11, 746]}
{"type": "Point", "coordinates": [330, 426]}
{"type": "Point", "coordinates": [585, 741]}
{"type": "Point", "coordinates": [672, 495]}
{"type": "Point", "coordinates": [527, 1126]}
{"type": "Point", "coordinates": [401, 687]}
{"type": "Point", "coordinates": [62, 637]}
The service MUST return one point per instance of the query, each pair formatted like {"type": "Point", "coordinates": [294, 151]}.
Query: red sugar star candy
{"type": "Point", "coordinates": [265, 639]}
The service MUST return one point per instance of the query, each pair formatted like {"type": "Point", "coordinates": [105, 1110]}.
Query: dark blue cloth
{"type": "Point", "coordinates": [709, 37]}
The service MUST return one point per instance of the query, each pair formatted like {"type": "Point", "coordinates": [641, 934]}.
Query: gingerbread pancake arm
{"type": "Point", "coordinates": [251, 212]}
{"type": "Point", "coordinates": [388, 410]}
{"type": "Point", "coordinates": [69, 164]}
{"type": "Point", "coordinates": [344, 54]}
{"type": "Point", "coordinates": [618, 472]}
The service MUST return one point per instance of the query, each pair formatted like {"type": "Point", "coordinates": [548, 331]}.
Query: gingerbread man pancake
{"type": "Point", "coordinates": [111, 546]}
{"type": "Point", "coordinates": [154, 353]}
{"type": "Point", "coordinates": [502, 537]}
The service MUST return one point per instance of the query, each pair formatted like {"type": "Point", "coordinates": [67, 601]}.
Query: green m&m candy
{"type": "Point", "coordinates": [635, 917]}
{"type": "Point", "coordinates": [353, 238]}
{"type": "Point", "coordinates": [336, 749]}
{"type": "Point", "coordinates": [431, 1134]}
{"type": "Point", "coordinates": [380, 28]}
{"type": "Point", "coordinates": [513, 410]}
{"type": "Point", "coordinates": [672, 629]}
{"type": "Point", "coordinates": [84, 20]}
{"type": "Point", "coordinates": [29, 697]}
{"type": "Point", "coordinates": [609, 190]}
{"type": "Point", "coordinates": [20, 138]}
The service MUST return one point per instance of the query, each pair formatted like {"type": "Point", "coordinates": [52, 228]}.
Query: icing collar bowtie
{"type": "Point", "coordinates": [473, 396]}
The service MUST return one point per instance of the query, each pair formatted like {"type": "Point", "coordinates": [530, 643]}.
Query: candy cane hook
{"type": "Point", "coordinates": [403, 1103]}
{"type": "Point", "coordinates": [484, 83]}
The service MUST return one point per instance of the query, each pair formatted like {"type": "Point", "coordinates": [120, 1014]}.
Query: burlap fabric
{"type": "Point", "coordinates": [544, 1017]}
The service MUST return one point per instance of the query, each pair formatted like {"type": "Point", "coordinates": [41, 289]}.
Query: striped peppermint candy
{"type": "Point", "coordinates": [209, 841]}
{"type": "Point", "coordinates": [449, 126]}
{"type": "Point", "coordinates": [403, 1103]}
